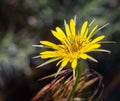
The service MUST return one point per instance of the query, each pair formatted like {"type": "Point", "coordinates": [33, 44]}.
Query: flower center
{"type": "Point", "coordinates": [74, 46]}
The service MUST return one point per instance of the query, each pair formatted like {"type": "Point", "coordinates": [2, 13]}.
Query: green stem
{"type": "Point", "coordinates": [78, 72]}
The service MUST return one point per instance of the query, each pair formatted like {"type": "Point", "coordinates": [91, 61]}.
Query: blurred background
{"type": "Point", "coordinates": [26, 22]}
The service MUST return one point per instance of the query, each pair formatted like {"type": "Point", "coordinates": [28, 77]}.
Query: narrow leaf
{"type": "Point", "coordinates": [102, 50]}
{"type": "Point", "coordinates": [92, 22]}
{"type": "Point", "coordinates": [47, 62]}
{"type": "Point", "coordinates": [107, 42]}
{"type": "Point", "coordinates": [38, 46]}
{"type": "Point", "coordinates": [36, 57]}
{"type": "Point", "coordinates": [102, 27]}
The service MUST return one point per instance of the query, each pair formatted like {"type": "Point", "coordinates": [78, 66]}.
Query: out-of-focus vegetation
{"type": "Point", "coordinates": [25, 22]}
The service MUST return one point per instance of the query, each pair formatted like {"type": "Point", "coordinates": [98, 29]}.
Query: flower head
{"type": "Point", "coordinates": [74, 45]}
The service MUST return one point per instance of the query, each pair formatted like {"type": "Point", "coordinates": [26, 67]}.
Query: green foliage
{"type": "Point", "coordinates": [15, 51]}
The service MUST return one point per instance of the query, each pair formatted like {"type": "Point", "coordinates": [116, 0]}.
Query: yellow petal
{"type": "Point", "coordinates": [49, 44]}
{"type": "Point", "coordinates": [74, 63]}
{"type": "Point", "coordinates": [83, 56]}
{"type": "Point", "coordinates": [72, 27]}
{"type": "Point", "coordinates": [92, 32]}
{"type": "Point", "coordinates": [57, 35]}
{"type": "Point", "coordinates": [67, 30]}
{"type": "Point", "coordinates": [60, 36]}
{"type": "Point", "coordinates": [64, 63]}
{"type": "Point", "coordinates": [48, 54]}
{"type": "Point", "coordinates": [98, 39]}
{"type": "Point", "coordinates": [84, 26]}
{"type": "Point", "coordinates": [60, 31]}
{"type": "Point", "coordinates": [86, 33]}
{"type": "Point", "coordinates": [92, 47]}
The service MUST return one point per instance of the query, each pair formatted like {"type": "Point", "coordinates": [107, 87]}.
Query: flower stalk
{"type": "Point", "coordinates": [79, 71]}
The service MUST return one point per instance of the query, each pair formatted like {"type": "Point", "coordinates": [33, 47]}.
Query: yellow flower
{"type": "Point", "coordinates": [74, 45]}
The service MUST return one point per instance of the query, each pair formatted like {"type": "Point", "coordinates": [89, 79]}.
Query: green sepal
{"type": "Point", "coordinates": [48, 61]}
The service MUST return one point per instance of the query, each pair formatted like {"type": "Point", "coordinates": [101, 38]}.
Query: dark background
{"type": "Point", "coordinates": [26, 22]}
